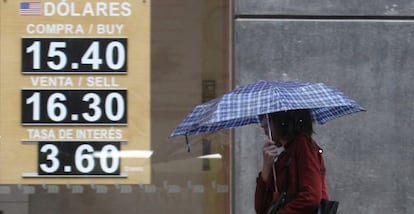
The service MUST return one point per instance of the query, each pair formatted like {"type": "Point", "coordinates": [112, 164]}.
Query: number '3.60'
{"type": "Point", "coordinates": [84, 159]}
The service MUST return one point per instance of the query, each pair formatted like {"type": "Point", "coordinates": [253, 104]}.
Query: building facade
{"type": "Point", "coordinates": [159, 59]}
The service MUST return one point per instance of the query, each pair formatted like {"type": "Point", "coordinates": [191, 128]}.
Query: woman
{"type": "Point", "coordinates": [300, 169]}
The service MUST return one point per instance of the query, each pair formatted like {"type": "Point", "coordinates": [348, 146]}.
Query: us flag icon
{"type": "Point", "coordinates": [30, 8]}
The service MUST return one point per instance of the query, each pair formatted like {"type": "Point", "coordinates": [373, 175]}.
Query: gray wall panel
{"type": "Point", "coordinates": [324, 7]}
{"type": "Point", "coordinates": [369, 155]}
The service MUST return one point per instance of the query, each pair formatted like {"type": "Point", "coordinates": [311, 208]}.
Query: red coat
{"type": "Point", "coordinates": [306, 178]}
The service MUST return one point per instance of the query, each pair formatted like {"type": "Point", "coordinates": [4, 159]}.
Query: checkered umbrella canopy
{"type": "Point", "coordinates": [243, 105]}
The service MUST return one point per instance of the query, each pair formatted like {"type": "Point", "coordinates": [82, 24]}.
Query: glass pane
{"type": "Point", "coordinates": [188, 64]}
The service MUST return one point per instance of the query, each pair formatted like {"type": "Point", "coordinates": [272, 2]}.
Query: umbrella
{"type": "Point", "coordinates": [243, 105]}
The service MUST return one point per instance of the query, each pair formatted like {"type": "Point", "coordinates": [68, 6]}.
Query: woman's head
{"type": "Point", "coordinates": [288, 124]}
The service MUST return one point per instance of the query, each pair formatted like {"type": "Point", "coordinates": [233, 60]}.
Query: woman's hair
{"type": "Point", "coordinates": [293, 122]}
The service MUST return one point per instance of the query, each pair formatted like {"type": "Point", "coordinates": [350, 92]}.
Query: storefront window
{"type": "Point", "coordinates": [89, 93]}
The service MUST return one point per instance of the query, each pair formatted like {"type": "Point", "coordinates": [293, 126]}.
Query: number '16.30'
{"type": "Point", "coordinates": [73, 106]}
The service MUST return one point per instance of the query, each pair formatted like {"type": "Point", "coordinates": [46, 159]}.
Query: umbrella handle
{"type": "Point", "coordinates": [268, 127]}
{"type": "Point", "coordinates": [269, 130]}
{"type": "Point", "coordinates": [274, 175]}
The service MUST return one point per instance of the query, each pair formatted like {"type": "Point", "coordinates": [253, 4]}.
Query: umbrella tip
{"type": "Point", "coordinates": [187, 143]}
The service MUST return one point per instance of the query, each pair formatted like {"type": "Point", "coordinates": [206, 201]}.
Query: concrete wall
{"type": "Point", "coordinates": [325, 7]}
{"type": "Point", "coordinates": [369, 155]}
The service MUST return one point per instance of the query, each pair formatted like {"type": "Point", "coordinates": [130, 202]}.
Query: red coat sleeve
{"type": "Point", "coordinates": [306, 168]}
{"type": "Point", "coordinates": [262, 195]}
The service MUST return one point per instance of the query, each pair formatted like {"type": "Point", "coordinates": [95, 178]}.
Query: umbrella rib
{"type": "Point", "coordinates": [243, 105]}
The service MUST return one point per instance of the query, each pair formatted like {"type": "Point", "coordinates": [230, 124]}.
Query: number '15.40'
{"type": "Point", "coordinates": [91, 56]}
{"type": "Point", "coordinates": [74, 55]}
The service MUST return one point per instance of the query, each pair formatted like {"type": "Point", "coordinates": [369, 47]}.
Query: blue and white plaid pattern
{"type": "Point", "coordinates": [243, 105]}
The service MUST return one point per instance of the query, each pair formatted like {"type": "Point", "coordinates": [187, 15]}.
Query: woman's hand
{"type": "Point", "coordinates": [270, 151]}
